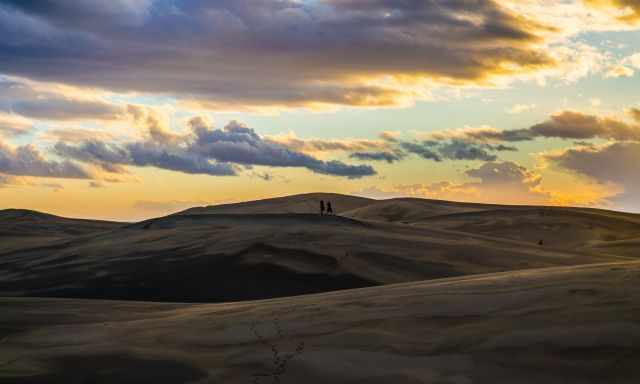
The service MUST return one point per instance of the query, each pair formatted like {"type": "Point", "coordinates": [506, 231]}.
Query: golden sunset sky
{"type": "Point", "coordinates": [130, 109]}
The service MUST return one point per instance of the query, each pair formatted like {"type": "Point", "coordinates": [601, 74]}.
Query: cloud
{"type": "Point", "coordinates": [634, 113]}
{"type": "Point", "coordinates": [50, 102]}
{"type": "Point", "coordinates": [12, 125]}
{"type": "Point", "coordinates": [492, 182]}
{"type": "Point", "coordinates": [444, 148]}
{"type": "Point", "coordinates": [438, 148]}
{"type": "Point", "coordinates": [520, 108]}
{"type": "Point", "coordinates": [460, 150]}
{"type": "Point", "coordinates": [236, 143]}
{"type": "Point", "coordinates": [391, 136]}
{"type": "Point", "coordinates": [614, 163]}
{"type": "Point", "coordinates": [205, 150]}
{"type": "Point", "coordinates": [567, 124]}
{"type": "Point", "coordinates": [96, 184]}
{"type": "Point", "coordinates": [5, 180]}
{"type": "Point", "coordinates": [634, 60]}
{"type": "Point", "coordinates": [423, 149]}
{"type": "Point", "coordinates": [619, 70]}
{"type": "Point", "coordinates": [330, 52]}
{"type": "Point", "coordinates": [389, 157]}
{"type": "Point", "coordinates": [625, 10]}
{"type": "Point", "coordinates": [500, 182]}
{"type": "Point", "coordinates": [481, 135]}
{"type": "Point", "coordinates": [66, 109]}
{"type": "Point", "coordinates": [492, 173]}
{"type": "Point", "coordinates": [53, 186]}
{"type": "Point", "coordinates": [577, 125]}
{"type": "Point", "coordinates": [292, 142]}
{"type": "Point", "coordinates": [76, 135]}
{"type": "Point", "coordinates": [26, 160]}
{"type": "Point", "coordinates": [142, 154]}
{"type": "Point", "coordinates": [87, 13]}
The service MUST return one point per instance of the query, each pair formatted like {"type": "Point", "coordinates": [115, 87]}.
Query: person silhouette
{"type": "Point", "coordinates": [329, 208]}
{"type": "Point", "coordinates": [321, 207]}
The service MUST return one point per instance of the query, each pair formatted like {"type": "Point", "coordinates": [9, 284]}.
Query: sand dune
{"type": "Point", "coordinates": [579, 229]}
{"type": "Point", "coordinates": [582, 229]}
{"type": "Point", "coordinates": [20, 229]}
{"type": "Point", "coordinates": [230, 257]}
{"type": "Point", "coordinates": [559, 325]}
{"type": "Point", "coordinates": [239, 252]}
{"type": "Point", "coordinates": [397, 291]}
{"type": "Point", "coordinates": [304, 203]}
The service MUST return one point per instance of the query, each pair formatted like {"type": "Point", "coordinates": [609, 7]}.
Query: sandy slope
{"type": "Point", "coordinates": [280, 247]}
{"type": "Point", "coordinates": [20, 228]}
{"type": "Point", "coordinates": [586, 230]}
{"type": "Point", "coordinates": [578, 229]}
{"type": "Point", "coordinates": [560, 325]}
{"type": "Point", "coordinates": [303, 203]}
{"type": "Point", "coordinates": [230, 257]}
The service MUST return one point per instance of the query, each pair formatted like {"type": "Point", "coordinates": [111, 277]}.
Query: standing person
{"type": "Point", "coordinates": [321, 207]}
{"type": "Point", "coordinates": [329, 208]}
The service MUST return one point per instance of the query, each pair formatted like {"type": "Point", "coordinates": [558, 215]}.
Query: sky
{"type": "Point", "coordinates": [130, 109]}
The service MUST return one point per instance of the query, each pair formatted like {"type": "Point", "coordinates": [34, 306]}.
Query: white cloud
{"type": "Point", "coordinates": [520, 108]}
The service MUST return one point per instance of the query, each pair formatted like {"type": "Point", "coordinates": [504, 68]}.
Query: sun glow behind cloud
{"type": "Point", "coordinates": [294, 96]}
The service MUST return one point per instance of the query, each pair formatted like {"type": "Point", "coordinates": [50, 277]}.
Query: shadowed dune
{"type": "Point", "coordinates": [558, 325]}
{"type": "Point", "coordinates": [21, 228]}
{"type": "Point", "coordinates": [238, 252]}
{"type": "Point", "coordinates": [230, 257]}
{"type": "Point", "coordinates": [22, 222]}
{"type": "Point", "coordinates": [580, 229]}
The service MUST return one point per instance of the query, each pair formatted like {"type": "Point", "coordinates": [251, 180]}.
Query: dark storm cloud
{"type": "Point", "coordinates": [206, 151]}
{"type": "Point", "coordinates": [28, 161]}
{"type": "Point", "coordinates": [272, 52]}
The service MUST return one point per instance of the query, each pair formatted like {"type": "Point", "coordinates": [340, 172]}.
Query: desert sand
{"type": "Point", "coordinates": [387, 291]}
{"type": "Point", "coordinates": [282, 247]}
{"type": "Point", "coordinates": [559, 325]}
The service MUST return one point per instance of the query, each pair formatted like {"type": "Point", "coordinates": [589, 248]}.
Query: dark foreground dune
{"type": "Point", "coordinates": [560, 325]}
{"type": "Point", "coordinates": [281, 247]}
{"type": "Point", "coordinates": [231, 257]}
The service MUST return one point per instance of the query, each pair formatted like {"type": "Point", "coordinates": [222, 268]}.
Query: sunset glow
{"type": "Point", "coordinates": [132, 109]}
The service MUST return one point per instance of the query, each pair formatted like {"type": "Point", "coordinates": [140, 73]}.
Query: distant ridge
{"type": "Point", "coordinates": [26, 222]}
{"type": "Point", "coordinates": [302, 203]}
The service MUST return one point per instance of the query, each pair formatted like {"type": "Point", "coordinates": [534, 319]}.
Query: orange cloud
{"type": "Point", "coordinates": [626, 10]}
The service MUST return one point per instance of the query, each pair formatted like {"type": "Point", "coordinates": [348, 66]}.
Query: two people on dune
{"type": "Point", "coordinates": [329, 208]}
